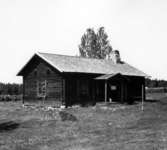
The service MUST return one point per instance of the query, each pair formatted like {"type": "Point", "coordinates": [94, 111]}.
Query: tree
{"type": "Point", "coordinates": [88, 45]}
{"type": "Point", "coordinates": [10, 89]}
{"type": "Point", "coordinates": [95, 45]}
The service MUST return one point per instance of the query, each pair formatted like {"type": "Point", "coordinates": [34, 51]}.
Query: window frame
{"type": "Point", "coordinates": [42, 88]}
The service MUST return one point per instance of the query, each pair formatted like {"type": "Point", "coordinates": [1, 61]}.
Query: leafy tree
{"type": "Point", "coordinates": [88, 45]}
{"type": "Point", "coordinates": [95, 45]}
{"type": "Point", "coordinates": [103, 43]}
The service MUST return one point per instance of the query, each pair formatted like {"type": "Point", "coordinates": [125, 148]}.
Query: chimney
{"type": "Point", "coordinates": [114, 56]}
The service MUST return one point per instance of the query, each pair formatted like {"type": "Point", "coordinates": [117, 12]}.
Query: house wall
{"type": "Point", "coordinates": [99, 91]}
{"type": "Point", "coordinates": [80, 88]}
{"type": "Point", "coordinates": [43, 73]}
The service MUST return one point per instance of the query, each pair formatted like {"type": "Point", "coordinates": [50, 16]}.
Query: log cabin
{"type": "Point", "coordinates": [69, 80]}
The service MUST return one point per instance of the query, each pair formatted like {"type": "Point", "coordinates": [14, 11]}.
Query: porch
{"type": "Point", "coordinates": [119, 88]}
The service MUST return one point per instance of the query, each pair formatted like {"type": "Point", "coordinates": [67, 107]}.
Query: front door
{"type": "Point", "coordinates": [113, 92]}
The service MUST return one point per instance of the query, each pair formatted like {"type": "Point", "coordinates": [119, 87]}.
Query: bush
{"type": "Point", "coordinates": [7, 98]}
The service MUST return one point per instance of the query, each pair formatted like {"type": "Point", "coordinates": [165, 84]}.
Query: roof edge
{"type": "Point", "coordinates": [49, 62]}
{"type": "Point", "coordinates": [144, 74]}
{"type": "Point", "coordinates": [18, 74]}
{"type": "Point", "coordinates": [39, 55]}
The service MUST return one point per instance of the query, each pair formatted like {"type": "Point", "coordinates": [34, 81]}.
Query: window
{"type": "Point", "coordinates": [48, 72]}
{"type": "Point", "coordinates": [113, 87]}
{"type": "Point", "coordinates": [41, 88]}
{"type": "Point", "coordinates": [35, 72]}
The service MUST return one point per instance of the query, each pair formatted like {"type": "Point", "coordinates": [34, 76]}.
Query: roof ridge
{"type": "Point", "coordinates": [73, 56]}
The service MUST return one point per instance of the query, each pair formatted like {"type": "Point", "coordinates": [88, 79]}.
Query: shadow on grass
{"type": "Point", "coordinates": [151, 100]}
{"type": "Point", "coordinates": [8, 126]}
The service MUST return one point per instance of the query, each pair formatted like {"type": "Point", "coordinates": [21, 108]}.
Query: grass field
{"type": "Point", "coordinates": [111, 127]}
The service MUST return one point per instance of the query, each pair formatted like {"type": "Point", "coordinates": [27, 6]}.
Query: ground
{"type": "Point", "coordinates": [110, 127]}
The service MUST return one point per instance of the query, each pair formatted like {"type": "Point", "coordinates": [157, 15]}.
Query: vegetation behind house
{"type": "Point", "coordinates": [95, 45]}
{"type": "Point", "coordinates": [10, 91]}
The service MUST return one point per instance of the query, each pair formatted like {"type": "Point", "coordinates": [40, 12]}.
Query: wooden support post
{"type": "Point", "coordinates": [142, 105]}
{"type": "Point", "coordinates": [125, 92]}
{"type": "Point", "coordinates": [64, 94]}
{"type": "Point", "coordinates": [23, 91]}
{"type": "Point", "coordinates": [105, 91]}
{"type": "Point", "coordinates": [122, 92]}
{"type": "Point", "coordinates": [144, 91]}
{"type": "Point", "coordinates": [95, 90]}
{"type": "Point", "coordinates": [92, 91]}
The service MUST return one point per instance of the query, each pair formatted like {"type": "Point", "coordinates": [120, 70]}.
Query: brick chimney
{"type": "Point", "coordinates": [114, 56]}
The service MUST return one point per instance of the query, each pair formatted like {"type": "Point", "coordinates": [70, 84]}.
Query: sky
{"type": "Point", "coordinates": [137, 28]}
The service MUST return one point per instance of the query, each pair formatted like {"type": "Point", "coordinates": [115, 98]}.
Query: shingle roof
{"type": "Point", "coordinates": [88, 65]}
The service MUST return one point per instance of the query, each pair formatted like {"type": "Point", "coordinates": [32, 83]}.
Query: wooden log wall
{"type": "Point", "coordinates": [54, 83]}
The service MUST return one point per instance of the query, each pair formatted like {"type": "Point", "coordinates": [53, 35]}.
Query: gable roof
{"type": "Point", "coordinates": [75, 64]}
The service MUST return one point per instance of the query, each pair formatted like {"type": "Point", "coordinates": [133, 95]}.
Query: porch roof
{"type": "Point", "coordinates": [109, 76]}
{"type": "Point", "coordinates": [106, 76]}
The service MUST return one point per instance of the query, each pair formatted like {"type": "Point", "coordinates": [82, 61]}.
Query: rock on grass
{"type": "Point", "coordinates": [65, 116]}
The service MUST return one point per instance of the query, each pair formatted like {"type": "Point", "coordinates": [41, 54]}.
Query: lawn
{"type": "Point", "coordinates": [111, 127]}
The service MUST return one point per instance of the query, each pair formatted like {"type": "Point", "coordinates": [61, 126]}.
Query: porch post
{"type": "Point", "coordinates": [105, 91]}
{"type": "Point", "coordinates": [122, 93]}
{"type": "Point", "coordinates": [143, 97]}
{"type": "Point", "coordinates": [23, 98]}
{"type": "Point", "coordinates": [63, 93]}
{"type": "Point", "coordinates": [93, 90]}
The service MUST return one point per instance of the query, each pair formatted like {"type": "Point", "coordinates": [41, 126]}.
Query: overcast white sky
{"type": "Point", "coordinates": [138, 28]}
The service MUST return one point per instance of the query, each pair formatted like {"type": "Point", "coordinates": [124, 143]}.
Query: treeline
{"type": "Point", "coordinates": [154, 83]}
{"type": "Point", "coordinates": [10, 89]}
